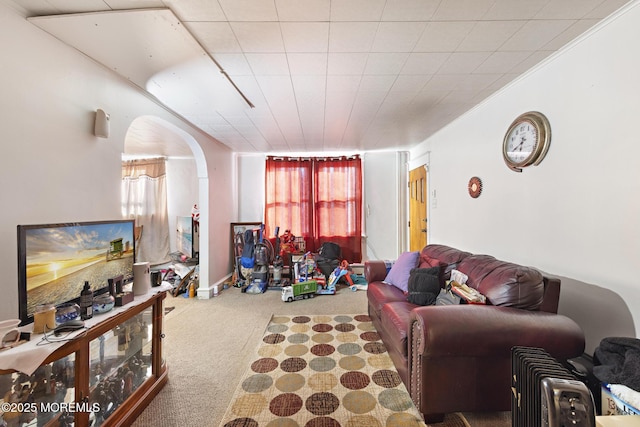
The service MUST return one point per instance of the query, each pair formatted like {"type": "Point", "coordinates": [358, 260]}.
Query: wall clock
{"type": "Point", "coordinates": [526, 141]}
{"type": "Point", "coordinates": [475, 187]}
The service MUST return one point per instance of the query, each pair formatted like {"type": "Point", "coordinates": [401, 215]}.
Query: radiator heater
{"type": "Point", "coordinates": [545, 394]}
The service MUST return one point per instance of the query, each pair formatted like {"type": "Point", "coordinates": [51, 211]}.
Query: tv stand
{"type": "Point", "coordinates": [104, 377]}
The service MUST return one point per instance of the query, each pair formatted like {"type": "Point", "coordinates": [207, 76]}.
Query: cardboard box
{"type": "Point", "coordinates": [613, 405]}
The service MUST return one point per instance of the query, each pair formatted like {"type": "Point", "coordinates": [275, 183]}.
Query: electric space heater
{"type": "Point", "coordinates": [545, 393]}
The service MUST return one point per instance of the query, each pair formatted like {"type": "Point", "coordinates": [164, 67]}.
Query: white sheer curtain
{"type": "Point", "coordinates": [144, 198]}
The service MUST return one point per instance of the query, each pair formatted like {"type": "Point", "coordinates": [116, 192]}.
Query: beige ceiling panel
{"type": "Point", "coordinates": [606, 8]}
{"type": "Point", "coordinates": [196, 10]}
{"type": "Point", "coordinates": [397, 36]}
{"type": "Point", "coordinates": [305, 36]}
{"type": "Point", "coordinates": [215, 36]}
{"type": "Point", "coordinates": [376, 84]}
{"type": "Point", "coordinates": [268, 64]}
{"type": "Point", "coordinates": [343, 84]}
{"type": "Point", "coordinates": [307, 63]}
{"type": "Point", "coordinates": [356, 10]}
{"type": "Point", "coordinates": [532, 60]}
{"type": "Point", "coordinates": [463, 62]}
{"type": "Point", "coordinates": [234, 64]}
{"type": "Point", "coordinates": [442, 82]}
{"type": "Point", "coordinates": [346, 63]}
{"type": "Point", "coordinates": [476, 82]}
{"type": "Point", "coordinates": [443, 36]}
{"type": "Point", "coordinates": [462, 10]}
{"type": "Point", "coordinates": [385, 63]}
{"type": "Point", "coordinates": [573, 32]}
{"type": "Point", "coordinates": [567, 9]}
{"type": "Point", "coordinates": [514, 9]}
{"type": "Point", "coordinates": [409, 83]}
{"type": "Point", "coordinates": [315, 85]}
{"type": "Point", "coordinates": [249, 10]}
{"type": "Point", "coordinates": [258, 36]}
{"type": "Point", "coordinates": [535, 34]}
{"type": "Point", "coordinates": [501, 62]}
{"type": "Point", "coordinates": [307, 10]}
{"type": "Point", "coordinates": [489, 35]}
{"type": "Point", "coordinates": [409, 10]}
{"type": "Point", "coordinates": [424, 63]}
{"type": "Point", "coordinates": [352, 36]}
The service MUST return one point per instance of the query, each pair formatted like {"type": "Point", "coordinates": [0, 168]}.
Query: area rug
{"type": "Point", "coordinates": [323, 371]}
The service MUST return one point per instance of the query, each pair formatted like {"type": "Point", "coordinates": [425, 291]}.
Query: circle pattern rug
{"type": "Point", "coordinates": [321, 371]}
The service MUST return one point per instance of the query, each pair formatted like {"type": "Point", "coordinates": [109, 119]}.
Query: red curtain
{"type": "Point", "coordinates": [319, 199]}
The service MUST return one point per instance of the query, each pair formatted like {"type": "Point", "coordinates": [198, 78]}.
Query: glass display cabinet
{"type": "Point", "coordinates": [104, 377]}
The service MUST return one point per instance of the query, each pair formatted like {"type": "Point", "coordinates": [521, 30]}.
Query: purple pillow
{"type": "Point", "coordinates": [398, 276]}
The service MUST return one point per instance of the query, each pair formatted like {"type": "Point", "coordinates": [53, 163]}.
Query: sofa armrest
{"type": "Point", "coordinates": [375, 271]}
{"type": "Point", "coordinates": [485, 330]}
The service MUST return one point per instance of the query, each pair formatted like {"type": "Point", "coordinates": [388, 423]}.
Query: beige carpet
{"type": "Point", "coordinates": [210, 343]}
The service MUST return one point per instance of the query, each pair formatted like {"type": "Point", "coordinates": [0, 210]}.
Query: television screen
{"type": "Point", "coordinates": [54, 260]}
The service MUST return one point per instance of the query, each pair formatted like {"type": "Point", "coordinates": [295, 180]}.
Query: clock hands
{"type": "Point", "coordinates": [523, 139]}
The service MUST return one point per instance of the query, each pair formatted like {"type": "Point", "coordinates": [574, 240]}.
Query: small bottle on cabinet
{"type": "Point", "coordinates": [86, 302]}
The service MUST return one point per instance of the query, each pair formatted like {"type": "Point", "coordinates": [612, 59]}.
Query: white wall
{"type": "Point", "coordinates": [182, 192]}
{"type": "Point", "coordinates": [576, 214]}
{"type": "Point", "coordinates": [55, 170]}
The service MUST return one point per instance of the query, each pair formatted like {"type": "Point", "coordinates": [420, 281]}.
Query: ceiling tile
{"type": "Point", "coordinates": [501, 62]}
{"type": "Point", "coordinates": [462, 10]}
{"type": "Point", "coordinates": [424, 63]}
{"type": "Point", "coordinates": [258, 36]}
{"type": "Point", "coordinates": [196, 10]}
{"type": "Point", "coordinates": [385, 63]}
{"type": "Point", "coordinates": [376, 83]}
{"type": "Point", "coordinates": [567, 9]}
{"type": "Point", "coordinates": [352, 36]}
{"type": "Point", "coordinates": [572, 33]}
{"type": "Point", "coordinates": [343, 84]}
{"type": "Point", "coordinates": [397, 36]}
{"type": "Point", "coordinates": [535, 34]}
{"type": "Point", "coordinates": [463, 62]}
{"type": "Point", "coordinates": [503, 10]}
{"type": "Point", "coordinates": [305, 36]}
{"type": "Point", "coordinates": [443, 36]}
{"type": "Point", "coordinates": [214, 36]}
{"type": "Point", "coordinates": [356, 10]}
{"type": "Point", "coordinates": [489, 35]}
{"type": "Point", "coordinates": [249, 10]}
{"type": "Point", "coordinates": [346, 63]}
{"type": "Point", "coordinates": [409, 10]}
{"type": "Point", "coordinates": [409, 83]}
{"type": "Point", "coordinates": [532, 60]}
{"type": "Point", "coordinates": [307, 63]}
{"type": "Point", "coordinates": [606, 8]}
{"type": "Point", "coordinates": [315, 85]}
{"type": "Point", "coordinates": [235, 64]}
{"type": "Point", "coordinates": [268, 64]}
{"type": "Point", "coordinates": [308, 10]}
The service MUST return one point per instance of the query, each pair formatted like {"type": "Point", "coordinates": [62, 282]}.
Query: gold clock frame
{"type": "Point", "coordinates": [543, 130]}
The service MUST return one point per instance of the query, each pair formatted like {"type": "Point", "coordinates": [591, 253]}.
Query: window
{"type": "Point", "coordinates": [319, 199]}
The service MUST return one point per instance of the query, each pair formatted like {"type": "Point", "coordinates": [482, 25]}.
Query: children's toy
{"type": "Point", "coordinates": [341, 271]}
{"type": "Point", "coordinates": [301, 290]}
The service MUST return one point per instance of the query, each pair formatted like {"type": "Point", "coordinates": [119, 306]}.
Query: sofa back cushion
{"type": "Point", "coordinates": [440, 256]}
{"type": "Point", "coordinates": [504, 283]}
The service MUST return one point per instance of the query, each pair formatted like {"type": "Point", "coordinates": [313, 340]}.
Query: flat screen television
{"type": "Point", "coordinates": [54, 260]}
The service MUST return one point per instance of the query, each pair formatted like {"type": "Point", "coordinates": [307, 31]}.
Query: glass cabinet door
{"type": "Point", "coordinates": [120, 360]}
{"type": "Point", "coordinates": [36, 399]}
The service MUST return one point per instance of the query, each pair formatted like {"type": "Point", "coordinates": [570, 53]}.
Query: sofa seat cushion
{"type": "Point", "coordinates": [504, 283]}
{"type": "Point", "coordinates": [380, 293]}
{"type": "Point", "coordinates": [395, 325]}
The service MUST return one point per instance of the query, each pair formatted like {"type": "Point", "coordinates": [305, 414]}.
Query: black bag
{"type": "Point", "coordinates": [330, 251]}
{"type": "Point", "coordinates": [424, 286]}
{"type": "Point", "coordinates": [328, 258]}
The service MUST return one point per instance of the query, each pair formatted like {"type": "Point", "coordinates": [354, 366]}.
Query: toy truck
{"type": "Point", "coordinates": [299, 290]}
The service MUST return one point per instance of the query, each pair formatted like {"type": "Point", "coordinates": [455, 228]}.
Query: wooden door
{"type": "Point", "coordinates": [418, 208]}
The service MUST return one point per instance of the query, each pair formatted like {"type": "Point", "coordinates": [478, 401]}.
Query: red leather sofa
{"type": "Point", "coordinates": [455, 358]}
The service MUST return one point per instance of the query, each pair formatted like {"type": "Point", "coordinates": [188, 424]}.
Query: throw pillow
{"type": "Point", "coordinates": [398, 276]}
{"type": "Point", "coordinates": [424, 285]}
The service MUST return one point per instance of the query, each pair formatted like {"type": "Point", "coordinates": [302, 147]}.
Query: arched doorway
{"type": "Point", "coordinates": [152, 136]}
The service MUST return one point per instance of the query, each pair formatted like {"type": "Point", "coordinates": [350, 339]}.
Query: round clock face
{"type": "Point", "coordinates": [521, 142]}
{"type": "Point", "coordinates": [526, 141]}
